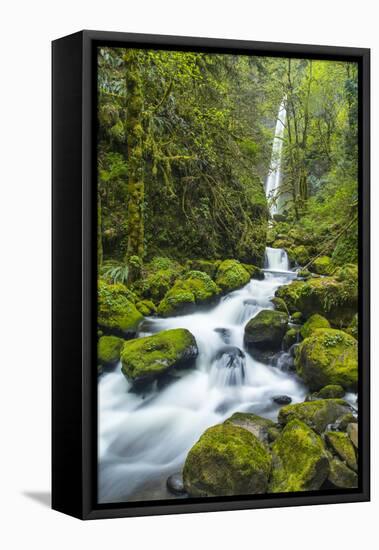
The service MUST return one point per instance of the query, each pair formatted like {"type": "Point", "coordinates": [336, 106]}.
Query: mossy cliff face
{"type": "Point", "coordinates": [299, 460]}
{"type": "Point", "coordinates": [335, 298]}
{"type": "Point", "coordinates": [266, 330]}
{"type": "Point", "coordinates": [145, 359]}
{"type": "Point", "coordinates": [108, 349]}
{"type": "Point", "coordinates": [231, 275]}
{"type": "Point", "coordinates": [328, 356]}
{"type": "Point", "coordinates": [314, 322]}
{"type": "Point", "coordinates": [117, 314]}
{"type": "Point", "coordinates": [196, 287]}
{"type": "Point", "coordinates": [227, 460]}
{"type": "Point", "coordinates": [316, 414]}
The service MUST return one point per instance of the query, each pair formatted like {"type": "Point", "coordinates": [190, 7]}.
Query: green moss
{"type": "Point", "coordinates": [314, 322]}
{"type": "Point", "coordinates": [227, 460]}
{"type": "Point", "coordinates": [322, 265]}
{"type": "Point", "coordinates": [280, 305]}
{"type": "Point", "coordinates": [157, 284]}
{"type": "Point", "coordinates": [328, 356]}
{"type": "Point", "coordinates": [254, 271]}
{"type": "Point", "coordinates": [257, 425]}
{"type": "Point", "coordinates": [117, 315]}
{"type": "Point", "coordinates": [340, 475]}
{"type": "Point", "coordinates": [195, 287]}
{"type": "Point", "coordinates": [206, 266]}
{"type": "Point", "coordinates": [266, 329]}
{"type": "Point", "coordinates": [316, 414]}
{"type": "Point", "coordinates": [331, 391]}
{"type": "Point", "coordinates": [352, 329]}
{"type": "Point", "coordinates": [340, 444]}
{"type": "Point", "coordinates": [231, 275]}
{"type": "Point", "coordinates": [331, 297]}
{"type": "Point", "coordinates": [146, 358]}
{"type": "Point", "coordinates": [146, 307]}
{"type": "Point", "coordinates": [108, 350]}
{"type": "Point", "coordinates": [299, 462]}
{"type": "Point", "coordinates": [297, 317]}
{"type": "Point", "coordinates": [300, 254]}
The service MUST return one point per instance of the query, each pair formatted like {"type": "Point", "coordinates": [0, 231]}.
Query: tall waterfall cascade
{"type": "Point", "coordinates": [274, 178]}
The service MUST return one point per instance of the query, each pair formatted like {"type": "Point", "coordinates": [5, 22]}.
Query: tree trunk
{"type": "Point", "coordinates": [134, 133]}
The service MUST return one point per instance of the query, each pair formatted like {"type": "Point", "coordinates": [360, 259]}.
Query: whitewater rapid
{"type": "Point", "coordinates": [144, 438]}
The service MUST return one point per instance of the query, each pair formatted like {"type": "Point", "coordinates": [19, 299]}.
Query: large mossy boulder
{"type": "Point", "coordinates": [327, 357]}
{"type": "Point", "coordinates": [299, 254]}
{"type": "Point", "coordinates": [157, 284]}
{"type": "Point", "coordinates": [108, 350]}
{"type": "Point", "coordinates": [117, 314]}
{"type": "Point", "coordinates": [265, 331]}
{"type": "Point", "coordinates": [316, 414]}
{"type": "Point", "coordinates": [299, 460]}
{"type": "Point", "coordinates": [263, 428]}
{"type": "Point", "coordinates": [322, 265]}
{"type": "Point", "coordinates": [195, 288]}
{"type": "Point", "coordinates": [335, 298]}
{"type": "Point", "coordinates": [231, 275]}
{"type": "Point", "coordinates": [314, 322]}
{"type": "Point", "coordinates": [227, 460]}
{"type": "Point", "coordinates": [206, 266]}
{"type": "Point", "coordinates": [145, 359]}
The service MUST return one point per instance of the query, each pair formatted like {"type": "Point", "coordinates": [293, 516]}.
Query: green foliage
{"type": "Point", "coordinates": [116, 273]}
{"type": "Point", "coordinates": [117, 314]}
{"type": "Point", "coordinates": [314, 322]}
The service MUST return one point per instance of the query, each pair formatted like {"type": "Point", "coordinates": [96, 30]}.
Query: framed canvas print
{"type": "Point", "coordinates": [210, 275]}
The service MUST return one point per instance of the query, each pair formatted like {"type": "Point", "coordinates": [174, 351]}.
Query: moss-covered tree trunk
{"type": "Point", "coordinates": [134, 133]}
{"type": "Point", "coordinates": [99, 233]}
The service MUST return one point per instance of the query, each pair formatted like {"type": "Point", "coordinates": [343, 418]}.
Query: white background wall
{"type": "Point", "coordinates": [27, 27]}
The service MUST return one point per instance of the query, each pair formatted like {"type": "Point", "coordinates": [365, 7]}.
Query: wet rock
{"type": "Point", "coordinates": [340, 444]}
{"type": "Point", "coordinates": [340, 425]}
{"type": "Point", "coordinates": [352, 430]}
{"type": "Point", "coordinates": [266, 330]}
{"type": "Point", "coordinates": [224, 333]}
{"type": "Point", "coordinates": [282, 399]}
{"type": "Point", "coordinates": [341, 476]}
{"type": "Point", "coordinates": [175, 484]}
{"type": "Point", "coordinates": [316, 414]}
{"type": "Point", "coordinates": [257, 425]}
{"type": "Point", "coordinates": [285, 362]}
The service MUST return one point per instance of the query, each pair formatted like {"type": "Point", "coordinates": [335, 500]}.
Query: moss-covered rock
{"type": "Point", "coordinates": [254, 271]}
{"type": "Point", "coordinates": [299, 254]}
{"type": "Point", "coordinates": [332, 297]}
{"type": "Point", "coordinates": [290, 338]}
{"type": "Point", "coordinates": [206, 266]}
{"type": "Point", "coordinates": [227, 460]}
{"type": "Point", "coordinates": [332, 391]}
{"type": "Point", "coordinates": [157, 284]}
{"type": "Point", "coordinates": [340, 475]}
{"type": "Point", "coordinates": [146, 307]}
{"type": "Point", "coordinates": [297, 317]}
{"type": "Point", "coordinates": [195, 287]}
{"type": "Point", "coordinates": [352, 431]}
{"type": "Point", "coordinates": [314, 322]}
{"type": "Point", "coordinates": [340, 444]}
{"type": "Point", "coordinates": [266, 329]}
{"type": "Point", "coordinates": [322, 265]}
{"type": "Point", "coordinates": [231, 275]}
{"type": "Point", "coordinates": [144, 359]}
{"type": "Point", "coordinates": [262, 428]}
{"type": "Point", "coordinates": [327, 357]}
{"type": "Point", "coordinates": [299, 460]}
{"type": "Point", "coordinates": [279, 305]}
{"type": "Point", "coordinates": [117, 315]}
{"type": "Point", "coordinates": [108, 350]}
{"type": "Point", "coordinates": [316, 414]}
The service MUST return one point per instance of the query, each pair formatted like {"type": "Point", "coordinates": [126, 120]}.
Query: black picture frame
{"type": "Point", "coordinates": [74, 396]}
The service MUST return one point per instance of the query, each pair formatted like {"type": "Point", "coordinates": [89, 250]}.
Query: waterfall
{"type": "Point", "coordinates": [276, 259]}
{"type": "Point", "coordinates": [274, 178]}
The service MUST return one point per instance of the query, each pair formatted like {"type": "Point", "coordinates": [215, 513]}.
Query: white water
{"type": "Point", "coordinates": [274, 178]}
{"type": "Point", "coordinates": [145, 438]}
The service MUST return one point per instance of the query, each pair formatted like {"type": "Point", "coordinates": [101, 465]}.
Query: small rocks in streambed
{"type": "Point", "coordinates": [282, 399]}
{"type": "Point", "coordinates": [265, 331]}
{"type": "Point", "coordinates": [227, 460]}
{"type": "Point", "coordinates": [225, 334]}
{"type": "Point", "coordinates": [175, 484]}
{"type": "Point", "coordinates": [299, 461]}
{"type": "Point", "coordinates": [146, 359]}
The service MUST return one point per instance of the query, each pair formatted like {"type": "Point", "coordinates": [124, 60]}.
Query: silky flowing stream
{"type": "Point", "coordinates": [144, 438]}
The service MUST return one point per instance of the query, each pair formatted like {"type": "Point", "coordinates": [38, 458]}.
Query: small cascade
{"type": "Point", "coordinates": [274, 178]}
{"type": "Point", "coordinates": [276, 259]}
